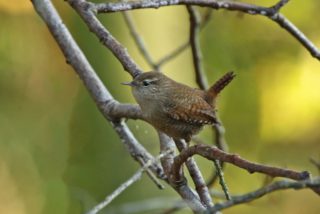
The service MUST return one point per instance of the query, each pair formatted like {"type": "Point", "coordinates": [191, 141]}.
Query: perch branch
{"type": "Point", "coordinates": [115, 110]}
{"type": "Point", "coordinates": [92, 82]}
{"type": "Point", "coordinates": [213, 153]}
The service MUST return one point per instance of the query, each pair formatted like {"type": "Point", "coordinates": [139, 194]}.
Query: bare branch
{"type": "Point", "coordinates": [316, 163]}
{"type": "Point", "coordinates": [271, 12]}
{"type": "Point", "coordinates": [220, 142]}
{"type": "Point", "coordinates": [92, 82]}
{"type": "Point", "coordinates": [221, 179]}
{"type": "Point", "coordinates": [213, 153]}
{"type": "Point", "coordinates": [280, 4]}
{"type": "Point", "coordinates": [215, 4]}
{"type": "Point", "coordinates": [153, 178]}
{"type": "Point", "coordinates": [296, 33]}
{"type": "Point", "coordinates": [138, 39]}
{"type": "Point", "coordinates": [196, 176]}
{"type": "Point", "coordinates": [117, 192]}
{"type": "Point", "coordinates": [279, 185]}
{"type": "Point", "coordinates": [184, 46]}
{"type": "Point", "coordinates": [181, 187]}
{"type": "Point", "coordinates": [123, 187]}
{"type": "Point", "coordinates": [86, 11]}
{"type": "Point", "coordinates": [115, 110]}
{"type": "Point", "coordinates": [195, 47]}
{"type": "Point", "coordinates": [173, 54]}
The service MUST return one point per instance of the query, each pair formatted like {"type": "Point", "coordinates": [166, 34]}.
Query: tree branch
{"type": "Point", "coordinates": [279, 185]}
{"type": "Point", "coordinates": [138, 40]}
{"type": "Point", "coordinates": [115, 110]}
{"type": "Point", "coordinates": [195, 47]}
{"type": "Point", "coordinates": [123, 186]}
{"type": "Point", "coordinates": [270, 12]}
{"type": "Point", "coordinates": [180, 186]}
{"type": "Point", "coordinates": [213, 153]}
{"type": "Point", "coordinates": [184, 46]}
{"type": "Point", "coordinates": [86, 11]}
{"type": "Point", "coordinates": [92, 82]}
{"type": "Point", "coordinates": [196, 176]}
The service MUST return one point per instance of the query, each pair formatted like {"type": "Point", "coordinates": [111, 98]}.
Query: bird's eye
{"type": "Point", "coordinates": [145, 82]}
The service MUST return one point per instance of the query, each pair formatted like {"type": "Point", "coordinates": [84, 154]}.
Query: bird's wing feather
{"type": "Point", "coordinates": [193, 110]}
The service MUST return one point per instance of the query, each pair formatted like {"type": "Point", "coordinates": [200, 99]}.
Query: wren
{"type": "Point", "coordinates": [174, 108]}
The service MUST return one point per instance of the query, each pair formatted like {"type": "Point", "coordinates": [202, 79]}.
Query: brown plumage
{"type": "Point", "coordinates": [174, 108]}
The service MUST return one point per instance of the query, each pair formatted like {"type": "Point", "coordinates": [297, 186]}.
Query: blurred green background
{"type": "Point", "coordinates": [59, 155]}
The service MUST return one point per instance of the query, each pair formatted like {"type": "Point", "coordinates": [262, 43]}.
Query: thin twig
{"type": "Point", "coordinates": [271, 12]}
{"type": "Point", "coordinates": [176, 52]}
{"type": "Point", "coordinates": [220, 142]}
{"type": "Point", "coordinates": [316, 163]}
{"type": "Point", "coordinates": [195, 47]}
{"type": "Point", "coordinates": [151, 175]}
{"type": "Point", "coordinates": [122, 187]}
{"type": "Point", "coordinates": [117, 192]}
{"type": "Point", "coordinates": [221, 178]}
{"type": "Point", "coordinates": [148, 205]}
{"type": "Point", "coordinates": [138, 39]}
{"type": "Point", "coordinates": [279, 185]}
{"type": "Point", "coordinates": [183, 47]}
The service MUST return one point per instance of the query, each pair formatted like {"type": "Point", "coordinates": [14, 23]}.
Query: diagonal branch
{"type": "Point", "coordinates": [86, 11]}
{"type": "Point", "coordinates": [183, 47]}
{"type": "Point", "coordinates": [92, 82]}
{"type": "Point", "coordinates": [123, 186]}
{"type": "Point", "coordinates": [138, 39]}
{"type": "Point", "coordinates": [279, 185]}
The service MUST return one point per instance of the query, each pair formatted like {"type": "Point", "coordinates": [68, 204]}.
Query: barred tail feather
{"type": "Point", "coordinates": [219, 86]}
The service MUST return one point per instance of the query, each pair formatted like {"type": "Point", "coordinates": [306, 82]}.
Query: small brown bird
{"type": "Point", "coordinates": [174, 108]}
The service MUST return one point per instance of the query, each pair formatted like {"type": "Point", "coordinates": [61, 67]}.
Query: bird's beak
{"type": "Point", "coordinates": [127, 83]}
